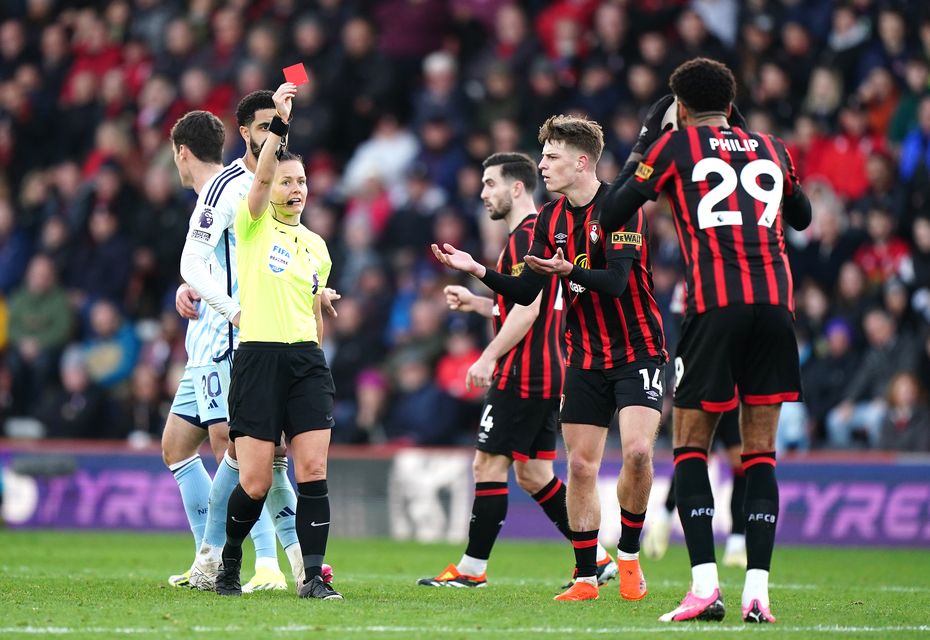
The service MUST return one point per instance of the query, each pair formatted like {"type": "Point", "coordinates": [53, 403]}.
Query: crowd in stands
{"type": "Point", "coordinates": [405, 99]}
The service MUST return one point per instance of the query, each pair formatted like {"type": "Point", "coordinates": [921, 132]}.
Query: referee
{"type": "Point", "coordinates": [280, 381]}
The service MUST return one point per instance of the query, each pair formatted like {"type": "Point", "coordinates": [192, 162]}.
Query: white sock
{"type": "Point", "coordinates": [601, 552]}
{"type": "Point", "coordinates": [471, 566]}
{"type": "Point", "coordinates": [756, 587]}
{"type": "Point", "coordinates": [230, 461]}
{"type": "Point", "coordinates": [627, 556]}
{"type": "Point", "coordinates": [591, 580]}
{"type": "Point", "coordinates": [296, 558]}
{"type": "Point", "coordinates": [266, 563]}
{"type": "Point", "coordinates": [209, 553]}
{"type": "Point", "coordinates": [736, 541]}
{"type": "Point", "coordinates": [704, 579]}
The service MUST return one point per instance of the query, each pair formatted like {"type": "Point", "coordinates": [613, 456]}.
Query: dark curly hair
{"type": "Point", "coordinates": [245, 110]}
{"type": "Point", "coordinates": [702, 85]}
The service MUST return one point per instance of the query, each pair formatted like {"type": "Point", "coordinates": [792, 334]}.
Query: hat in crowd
{"type": "Point", "coordinates": [838, 324]}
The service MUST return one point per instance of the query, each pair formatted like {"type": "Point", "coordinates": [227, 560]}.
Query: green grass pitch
{"type": "Point", "coordinates": [106, 585]}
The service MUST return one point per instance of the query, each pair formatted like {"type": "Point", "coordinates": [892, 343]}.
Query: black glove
{"type": "Point", "coordinates": [652, 125]}
{"type": "Point", "coordinates": [736, 118]}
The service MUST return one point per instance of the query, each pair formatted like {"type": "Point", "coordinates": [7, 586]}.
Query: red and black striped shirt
{"type": "Point", "coordinates": [535, 367]}
{"type": "Point", "coordinates": [604, 331]}
{"type": "Point", "coordinates": [725, 188]}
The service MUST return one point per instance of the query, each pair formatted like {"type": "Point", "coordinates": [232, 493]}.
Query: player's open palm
{"type": "Point", "coordinates": [455, 258]}
{"type": "Point", "coordinates": [459, 298]}
{"type": "Point", "coordinates": [284, 100]}
{"type": "Point", "coordinates": [557, 264]}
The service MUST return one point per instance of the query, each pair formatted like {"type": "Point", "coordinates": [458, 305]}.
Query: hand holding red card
{"type": "Point", "coordinates": [296, 73]}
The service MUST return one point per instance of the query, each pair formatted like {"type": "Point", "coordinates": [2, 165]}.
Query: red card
{"type": "Point", "coordinates": [296, 73]}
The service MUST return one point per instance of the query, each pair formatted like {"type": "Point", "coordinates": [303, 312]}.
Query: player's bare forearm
{"type": "Point", "coordinates": [484, 306]}
{"type": "Point", "coordinates": [514, 329]}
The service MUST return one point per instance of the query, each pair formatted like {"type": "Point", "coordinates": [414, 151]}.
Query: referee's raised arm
{"type": "Point", "coordinates": [260, 191]}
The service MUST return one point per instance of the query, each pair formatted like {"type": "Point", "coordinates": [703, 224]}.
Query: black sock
{"type": "Point", "coordinates": [585, 545]}
{"type": "Point", "coordinates": [487, 517]}
{"type": "Point", "coordinates": [670, 498]}
{"type": "Point", "coordinates": [631, 527]}
{"type": "Point", "coordinates": [695, 503]}
{"type": "Point", "coordinates": [242, 513]}
{"type": "Point", "coordinates": [552, 500]}
{"type": "Point", "coordinates": [761, 508]}
{"type": "Point", "coordinates": [737, 501]}
{"type": "Point", "coordinates": [312, 525]}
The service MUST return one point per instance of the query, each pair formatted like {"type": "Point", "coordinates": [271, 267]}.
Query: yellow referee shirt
{"type": "Point", "coordinates": [280, 268]}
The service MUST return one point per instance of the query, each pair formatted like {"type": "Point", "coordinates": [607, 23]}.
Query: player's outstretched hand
{"type": "Point", "coordinates": [284, 100]}
{"type": "Point", "coordinates": [185, 302]}
{"type": "Point", "coordinates": [327, 298]}
{"type": "Point", "coordinates": [459, 298]}
{"type": "Point", "coordinates": [557, 264]}
{"type": "Point", "coordinates": [479, 374]}
{"type": "Point", "coordinates": [652, 125]}
{"type": "Point", "coordinates": [457, 259]}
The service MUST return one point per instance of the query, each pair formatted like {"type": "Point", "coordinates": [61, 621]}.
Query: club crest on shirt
{"type": "Point", "coordinates": [206, 218]}
{"type": "Point", "coordinates": [278, 258]}
{"type": "Point", "coordinates": [594, 231]}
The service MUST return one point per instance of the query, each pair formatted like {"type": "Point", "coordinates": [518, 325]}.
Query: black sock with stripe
{"type": "Point", "coordinates": [695, 503]}
{"type": "Point", "coordinates": [585, 545]}
{"type": "Point", "coordinates": [631, 528]}
{"type": "Point", "coordinates": [552, 500]}
{"type": "Point", "coordinates": [242, 512]}
{"type": "Point", "coordinates": [761, 508]}
{"type": "Point", "coordinates": [487, 517]}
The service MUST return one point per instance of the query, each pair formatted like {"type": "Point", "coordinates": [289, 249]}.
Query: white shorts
{"type": "Point", "coordinates": [202, 396]}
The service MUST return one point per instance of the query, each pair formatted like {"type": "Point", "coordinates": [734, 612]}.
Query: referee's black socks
{"type": "Point", "coordinates": [313, 525]}
{"type": "Point", "coordinates": [242, 513]}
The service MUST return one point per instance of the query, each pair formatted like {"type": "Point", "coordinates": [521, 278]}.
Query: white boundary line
{"type": "Point", "coordinates": [328, 628]}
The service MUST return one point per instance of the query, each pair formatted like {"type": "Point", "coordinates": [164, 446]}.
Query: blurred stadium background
{"type": "Point", "coordinates": [406, 97]}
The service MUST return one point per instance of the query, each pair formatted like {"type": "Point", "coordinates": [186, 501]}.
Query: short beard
{"type": "Point", "coordinates": [256, 149]}
{"type": "Point", "coordinates": [503, 211]}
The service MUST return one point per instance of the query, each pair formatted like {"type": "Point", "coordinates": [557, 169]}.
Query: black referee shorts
{"type": "Point", "coordinates": [277, 388]}
{"type": "Point", "coordinates": [751, 347]}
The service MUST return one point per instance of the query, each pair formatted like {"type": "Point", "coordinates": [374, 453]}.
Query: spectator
{"type": "Point", "coordinates": [883, 254]}
{"type": "Point", "coordinates": [14, 249]}
{"type": "Point", "coordinates": [39, 326]}
{"type": "Point", "coordinates": [906, 426]}
{"type": "Point", "coordinates": [110, 352]}
{"type": "Point", "coordinates": [79, 410]}
{"type": "Point", "coordinates": [904, 120]}
{"type": "Point", "coordinates": [387, 154]}
{"type": "Point", "coordinates": [827, 378]}
{"type": "Point", "coordinates": [420, 413]}
{"type": "Point", "coordinates": [860, 413]}
{"type": "Point", "coordinates": [102, 263]}
{"type": "Point", "coordinates": [143, 413]}
{"type": "Point", "coordinates": [914, 167]}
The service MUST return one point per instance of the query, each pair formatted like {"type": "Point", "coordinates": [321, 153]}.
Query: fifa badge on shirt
{"type": "Point", "coordinates": [278, 259]}
{"type": "Point", "coordinates": [594, 231]}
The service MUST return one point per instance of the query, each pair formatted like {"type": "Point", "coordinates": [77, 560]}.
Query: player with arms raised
{"type": "Point", "coordinates": [731, 191]}
{"type": "Point", "coordinates": [616, 345]}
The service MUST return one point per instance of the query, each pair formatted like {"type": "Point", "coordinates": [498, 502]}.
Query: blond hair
{"type": "Point", "coordinates": [585, 135]}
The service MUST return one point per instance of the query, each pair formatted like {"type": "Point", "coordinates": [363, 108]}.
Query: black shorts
{"type": "Point", "coordinates": [727, 433]}
{"type": "Point", "coordinates": [747, 347]}
{"type": "Point", "coordinates": [279, 388]}
{"type": "Point", "coordinates": [519, 428]}
{"type": "Point", "coordinates": [592, 396]}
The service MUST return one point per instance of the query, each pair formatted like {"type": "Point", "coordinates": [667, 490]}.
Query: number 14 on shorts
{"type": "Point", "coordinates": [655, 383]}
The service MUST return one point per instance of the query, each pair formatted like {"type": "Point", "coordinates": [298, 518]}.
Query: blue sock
{"type": "Point", "coordinates": [281, 503]}
{"type": "Point", "coordinates": [263, 538]}
{"type": "Point", "coordinates": [225, 480]}
{"type": "Point", "coordinates": [194, 483]}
